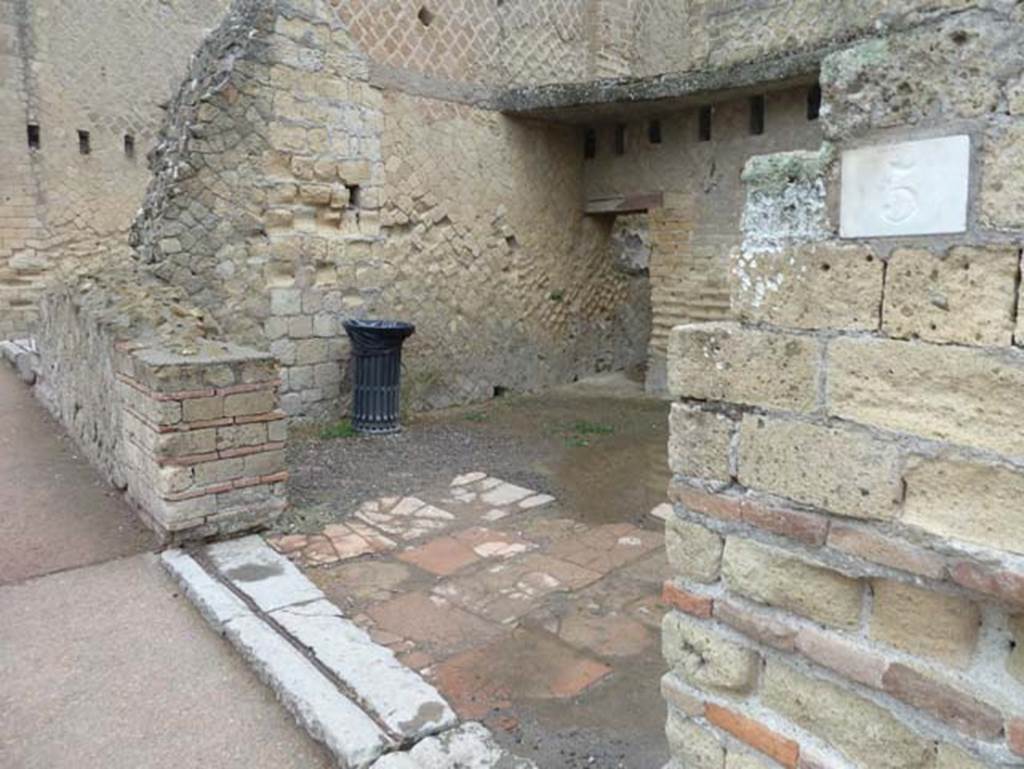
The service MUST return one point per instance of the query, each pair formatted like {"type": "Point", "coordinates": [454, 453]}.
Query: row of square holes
{"type": "Point", "coordinates": [84, 141]}
{"type": "Point", "coordinates": [757, 114]}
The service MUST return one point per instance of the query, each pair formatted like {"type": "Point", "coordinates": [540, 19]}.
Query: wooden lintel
{"type": "Point", "coordinates": [624, 204]}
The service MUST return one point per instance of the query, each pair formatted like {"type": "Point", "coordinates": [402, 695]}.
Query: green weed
{"type": "Point", "coordinates": [342, 429]}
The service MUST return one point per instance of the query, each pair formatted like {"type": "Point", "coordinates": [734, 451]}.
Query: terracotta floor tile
{"type": "Point", "coordinates": [524, 664]}
{"type": "Point", "coordinates": [614, 635]}
{"type": "Point", "coordinates": [511, 589]}
{"type": "Point", "coordinates": [493, 543]}
{"type": "Point", "coordinates": [607, 547]}
{"type": "Point", "coordinates": [430, 620]}
{"type": "Point", "coordinates": [318, 552]}
{"type": "Point", "coordinates": [443, 556]}
{"type": "Point", "coordinates": [353, 585]}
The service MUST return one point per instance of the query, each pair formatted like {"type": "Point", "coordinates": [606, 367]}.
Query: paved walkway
{"type": "Point", "coordinates": [544, 627]}
{"type": "Point", "coordinates": [55, 511]}
{"type": "Point", "coordinates": [103, 664]}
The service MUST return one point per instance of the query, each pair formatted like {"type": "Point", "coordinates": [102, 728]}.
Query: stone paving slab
{"type": "Point", "coordinates": [351, 735]}
{"type": "Point", "coordinates": [408, 705]}
{"type": "Point", "coordinates": [328, 715]}
{"type": "Point", "coordinates": [268, 579]}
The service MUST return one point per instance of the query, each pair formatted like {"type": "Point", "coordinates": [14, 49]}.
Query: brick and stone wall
{"type": "Point", "coordinates": [699, 222]}
{"type": "Point", "coordinates": [290, 193]}
{"type": "Point", "coordinates": [73, 66]}
{"type": "Point", "coordinates": [848, 535]}
{"type": "Point", "coordinates": [191, 430]}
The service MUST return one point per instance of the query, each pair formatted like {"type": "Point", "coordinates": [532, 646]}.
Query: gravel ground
{"type": "Point", "coordinates": [598, 446]}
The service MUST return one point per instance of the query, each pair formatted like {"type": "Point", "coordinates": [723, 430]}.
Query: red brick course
{"type": "Point", "coordinates": [755, 734]}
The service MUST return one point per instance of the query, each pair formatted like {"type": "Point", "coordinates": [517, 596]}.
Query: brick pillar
{"type": "Point", "coordinates": [204, 439]}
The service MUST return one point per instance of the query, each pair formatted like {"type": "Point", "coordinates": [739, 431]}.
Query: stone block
{"type": "Point", "coordinates": [1001, 198]}
{"type": "Point", "coordinates": [285, 301]}
{"type": "Point", "coordinates": [269, 579]}
{"type": "Point", "coordinates": [967, 297]}
{"type": "Point", "coordinates": [694, 552]}
{"type": "Point", "coordinates": [841, 470]}
{"type": "Point", "coordinates": [239, 436]}
{"type": "Point", "coordinates": [694, 746]}
{"type": "Point", "coordinates": [401, 699]}
{"type": "Point", "coordinates": [698, 444]}
{"type": "Point", "coordinates": [724, 362]}
{"type": "Point", "coordinates": [310, 351]}
{"type": "Point", "coordinates": [675, 694]}
{"type": "Point", "coordinates": [264, 463]}
{"type": "Point", "coordinates": [203, 409]}
{"type": "Point", "coordinates": [924, 623]}
{"type": "Point", "coordinates": [246, 404]}
{"type": "Point", "coordinates": [705, 658]}
{"type": "Point", "coordinates": [969, 501]}
{"type": "Point", "coordinates": [809, 286]}
{"type": "Point", "coordinates": [946, 393]}
{"type": "Point", "coordinates": [350, 735]}
{"type": "Point", "coordinates": [184, 443]}
{"type": "Point", "coordinates": [737, 760]}
{"type": "Point", "coordinates": [865, 733]}
{"type": "Point", "coordinates": [875, 546]}
{"type": "Point", "coordinates": [218, 471]}
{"type": "Point", "coordinates": [773, 576]}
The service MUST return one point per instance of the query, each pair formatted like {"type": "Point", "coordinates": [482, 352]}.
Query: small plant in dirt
{"type": "Point", "coordinates": [477, 416]}
{"type": "Point", "coordinates": [576, 442]}
{"type": "Point", "coordinates": [577, 434]}
{"type": "Point", "coordinates": [557, 295]}
{"type": "Point", "coordinates": [586, 427]}
{"type": "Point", "coordinates": [342, 429]}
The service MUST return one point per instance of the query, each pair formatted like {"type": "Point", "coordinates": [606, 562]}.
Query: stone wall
{"type": "Point", "coordinates": [847, 533]}
{"type": "Point", "coordinates": [189, 429]}
{"type": "Point", "coordinates": [697, 227]}
{"type": "Point", "coordinates": [290, 193]}
{"type": "Point", "coordinates": [71, 67]}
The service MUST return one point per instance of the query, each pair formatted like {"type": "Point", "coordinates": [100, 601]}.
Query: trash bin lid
{"type": "Point", "coordinates": [377, 335]}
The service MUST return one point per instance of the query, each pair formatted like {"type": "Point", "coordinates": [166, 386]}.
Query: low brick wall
{"type": "Point", "coordinates": [189, 429]}
{"type": "Point", "coordinates": [204, 438]}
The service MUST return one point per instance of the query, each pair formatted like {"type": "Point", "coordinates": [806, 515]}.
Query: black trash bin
{"type": "Point", "coordinates": [377, 351]}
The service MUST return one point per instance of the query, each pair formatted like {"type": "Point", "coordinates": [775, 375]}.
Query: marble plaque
{"type": "Point", "coordinates": [911, 188]}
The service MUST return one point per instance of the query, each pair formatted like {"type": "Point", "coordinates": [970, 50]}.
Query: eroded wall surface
{"type": "Point", "coordinates": [847, 537]}
{"type": "Point", "coordinates": [69, 67]}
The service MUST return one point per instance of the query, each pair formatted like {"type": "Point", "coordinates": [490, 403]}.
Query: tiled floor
{"type": "Point", "coordinates": [495, 593]}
